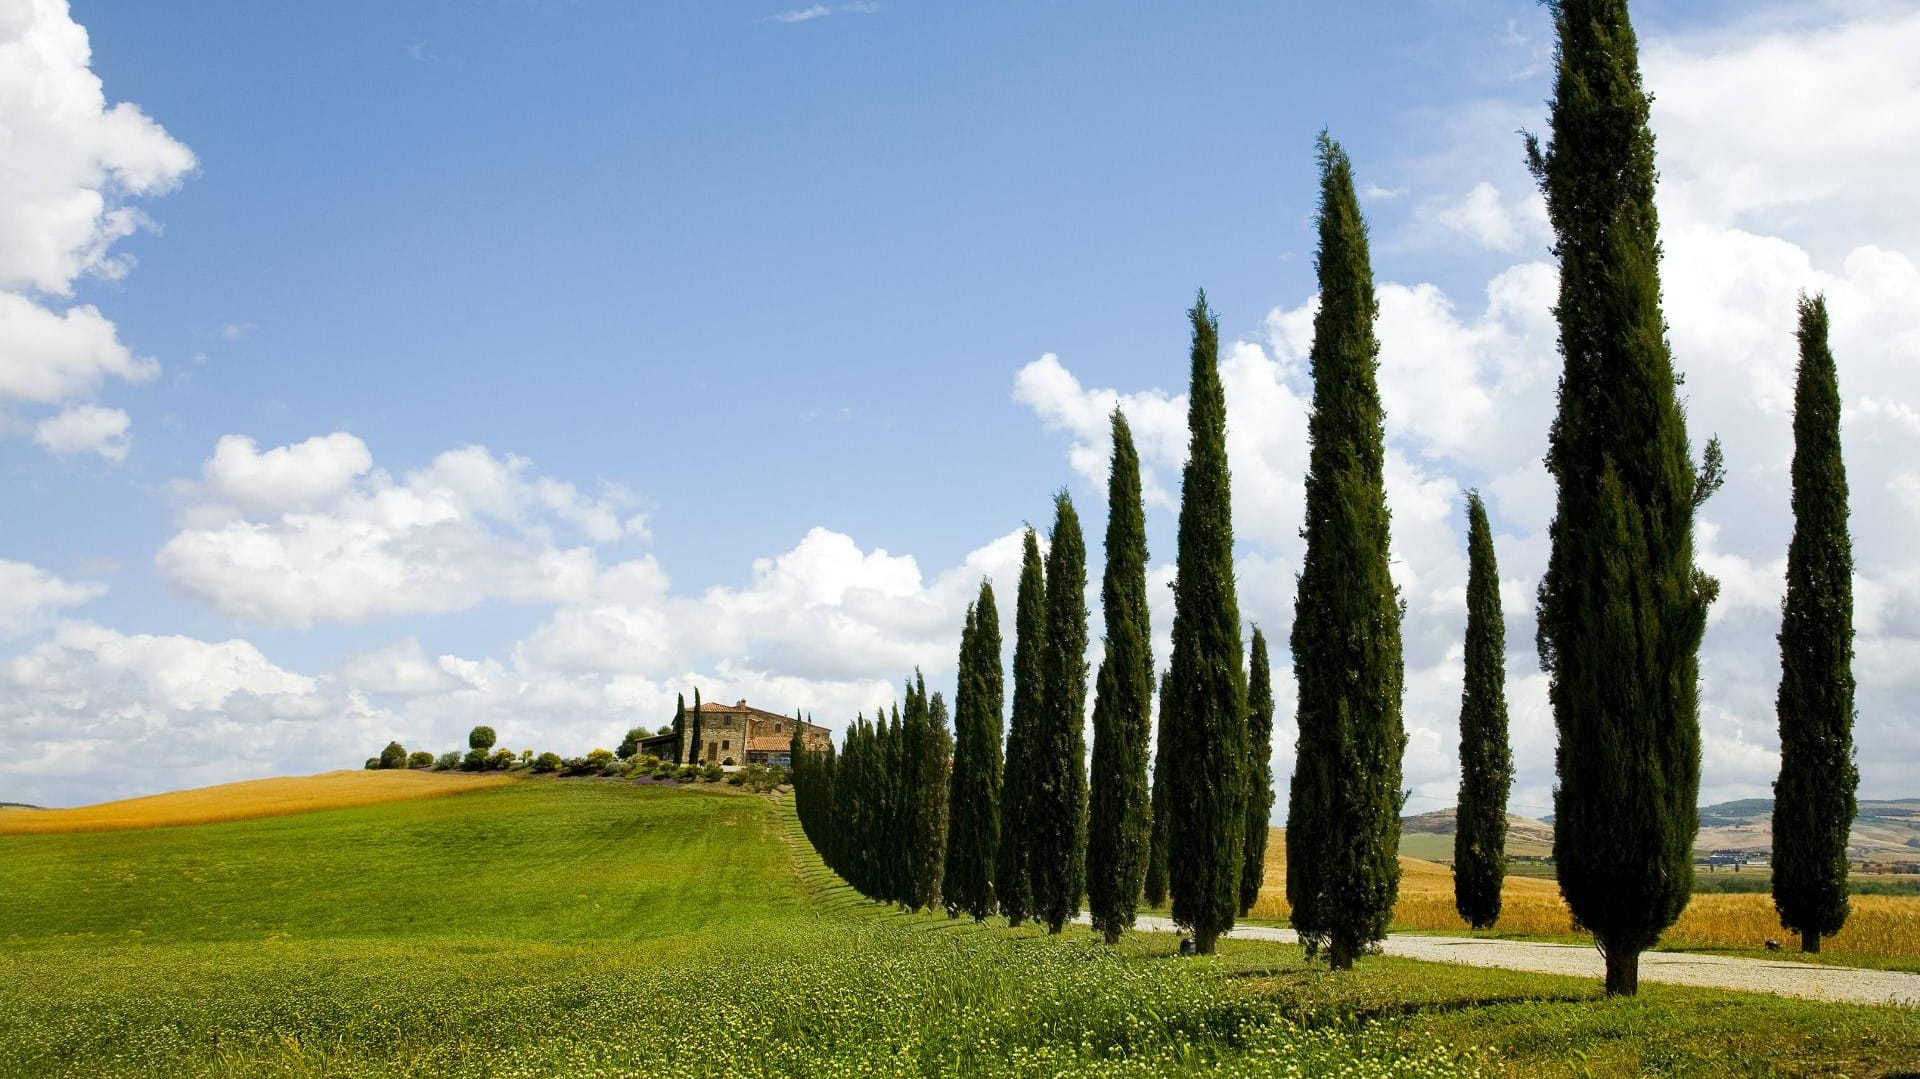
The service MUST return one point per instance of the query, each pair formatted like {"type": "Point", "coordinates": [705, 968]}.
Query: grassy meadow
{"type": "Point", "coordinates": [595, 927]}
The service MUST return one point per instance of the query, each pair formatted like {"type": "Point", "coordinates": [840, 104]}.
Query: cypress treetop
{"type": "Point", "coordinates": [1343, 824]}
{"type": "Point", "coordinates": [1118, 818]}
{"type": "Point", "coordinates": [1253, 868]}
{"type": "Point", "coordinates": [1486, 759]}
{"type": "Point", "coordinates": [1012, 879]}
{"type": "Point", "coordinates": [1622, 605]}
{"type": "Point", "coordinates": [1813, 801]}
{"type": "Point", "coordinates": [1206, 782]}
{"type": "Point", "coordinates": [1058, 819]}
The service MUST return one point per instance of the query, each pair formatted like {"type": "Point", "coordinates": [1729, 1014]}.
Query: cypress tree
{"type": "Point", "coordinates": [679, 726]}
{"type": "Point", "coordinates": [1206, 781]}
{"type": "Point", "coordinates": [1253, 868]}
{"type": "Point", "coordinates": [1486, 759]}
{"type": "Point", "coordinates": [1813, 801]}
{"type": "Point", "coordinates": [1155, 890]}
{"type": "Point", "coordinates": [1343, 822]}
{"type": "Point", "coordinates": [973, 836]}
{"type": "Point", "coordinates": [694, 745]}
{"type": "Point", "coordinates": [1058, 814]}
{"type": "Point", "coordinates": [1118, 817]}
{"type": "Point", "coordinates": [1013, 880]}
{"type": "Point", "coordinates": [1622, 605]}
{"type": "Point", "coordinates": [931, 791]}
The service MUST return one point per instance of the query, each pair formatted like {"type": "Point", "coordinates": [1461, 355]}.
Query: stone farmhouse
{"type": "Point", "coordinates": [742, 734]}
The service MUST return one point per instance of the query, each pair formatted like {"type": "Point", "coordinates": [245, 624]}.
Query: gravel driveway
{"type": "Point", "coordinates": [1810, 980]}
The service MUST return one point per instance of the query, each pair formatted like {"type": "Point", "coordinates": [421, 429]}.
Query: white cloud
{"type": "Point", "coordinates": [86, 429]}
{"type": "Point", "coordinates": [29, 596]}
{"type": "Point", "coordinates": [310, 533]}
{"type": "Point", "coordinates": [72, 163]}
{"type": "Point", "coordinates": [48, 357]}
{"type": "Point", "coordinates": [285, 477]}
{"type": "Point", "coordinates": [821, 11]}
{"type": "Point", "coordinates": [1486, 217]}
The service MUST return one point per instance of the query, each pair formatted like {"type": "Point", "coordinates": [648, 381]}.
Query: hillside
{"type": "Point", "coordinates": [1883, 831]}
{"type": "Point", "coordinates": [246, 800]}
{"type": "Point", "coordinates": [1430, 836]}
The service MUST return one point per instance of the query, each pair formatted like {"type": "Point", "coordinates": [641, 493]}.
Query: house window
{"type": "Point", "coordinates": [776, 728]}
{"type": "Point", "coordinates": [726, 743]}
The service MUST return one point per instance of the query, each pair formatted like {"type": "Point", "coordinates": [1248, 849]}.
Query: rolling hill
{"type": "Point", "coordinates": [1883, 831]}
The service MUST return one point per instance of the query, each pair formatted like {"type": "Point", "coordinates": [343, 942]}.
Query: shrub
{"type": "Point", "coordinates": [394, 756]}
{"type": "Point", "coordinates": [448, 761]}
{"type": "Point", "coordinates": [650, 762]}
{"type": "Point", "coordinates": [480, 738]}
{"type": "Point", "coordinates": [711, 773]}
{"type": "Point", "coordinates": [577, 766]}
{"type": "Point", "coordinates": [474, 761]}
{"type": "Point", "coordinates": [779, 775]}
{"type": "Point", "coordinates": [526, 756]}
{"type": "Point", "coordinates": [686, 772]}
{"type": "Point", "coordinates": [600, 757]}
{"type": "Point", "coordinates": [501, 760]}
{"type": "Point", "coordinates": [547, 762]}
{"type": "Point", "coordinates": [758, 778]}
{"type": "Point", "coordinates": [419, 758]}
{"type": "Point", "coordinates": [736, 779]}
{"type": "Point", "coordinates": [373, 763]}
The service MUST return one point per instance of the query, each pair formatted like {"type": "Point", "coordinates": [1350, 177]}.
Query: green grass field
{"type": "Point", "coordinates": [589, 927]}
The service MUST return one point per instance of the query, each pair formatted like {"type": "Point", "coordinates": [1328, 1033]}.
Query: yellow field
{"type": "Point", "coordinates": [243, 801]}
{"type": "Point", "coordinates": [1879, 925]}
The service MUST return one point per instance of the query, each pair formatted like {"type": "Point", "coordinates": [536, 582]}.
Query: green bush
{"type": "Point", "coordinates": [394, 756]}
{"type": "Point", "coordinates": [501, 760]}
{"type": "Point", "coordinates": [599, 757]}
{"type": "Point", "coordinates": [758, 778]}
{"type": "Point", "coordinates": [650, 762]}
{"type": "Point", "coordinates": [711, 773]}
{"type": "Point", "coordinates": [729, 762]}
{"type": "Point", "coordinates": [373, 763]}
{"type": "Point", "coordinates": [577, 766]}
{"type": "Point", "coordinates": [419, 758]}
{"type": "Point", "coordinates": [448, 761]}
{"type": "Point", "coordinates": [687, 771]}
{"type": "Point", "coordinates": [480, 738]}
{"type": "Point", "coordinates": [547, 762]}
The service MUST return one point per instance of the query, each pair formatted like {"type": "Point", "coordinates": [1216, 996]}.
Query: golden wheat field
{"type": "Point", "coordinates": [1879, 924]}
{"type": "Point", "coordinates": [244, 801]}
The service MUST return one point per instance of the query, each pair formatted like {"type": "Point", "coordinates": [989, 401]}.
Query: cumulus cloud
{"type": "Point", "coordinates": [311, 532]}
{"type": "Point", "coordinates": [30, 596]}
{"type": "Point", "coordinates": [86, 429]}
{"type": "Point", "coordinates": [73, 163]}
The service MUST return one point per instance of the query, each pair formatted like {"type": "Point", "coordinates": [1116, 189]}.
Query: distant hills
{"type": "Point", "coordinates": [1883, 831]}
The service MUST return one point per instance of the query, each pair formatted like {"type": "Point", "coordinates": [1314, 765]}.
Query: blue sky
{"type": "Point", "coordinates": [757, 299]}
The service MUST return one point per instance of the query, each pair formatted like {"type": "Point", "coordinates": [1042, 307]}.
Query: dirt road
{"type": "Point", "coordinates": [1812, 981]}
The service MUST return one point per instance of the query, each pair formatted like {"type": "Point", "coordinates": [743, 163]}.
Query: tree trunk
{"type": "Point", "coordinates": [1203, 942]}
{"type": "Point", "coordinates": [1623, 972]}
{"type": "Point", "coordinates": [1810, 941]}
{"type": "Point", "coordinates": [1014, 920]}
{"type": "Point", "coordinates": [1113, 935]}
{"type": "Point", "coordinates": [1339, 956]}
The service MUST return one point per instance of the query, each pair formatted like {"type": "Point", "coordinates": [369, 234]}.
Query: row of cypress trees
{"type": "Point", "coordinates": [1621, 612]}
{"type": "Point", "coordinates": [877, 810]}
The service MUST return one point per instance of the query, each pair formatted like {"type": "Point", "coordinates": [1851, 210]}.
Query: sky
{"type": "Point", "coordinates": [369, 371]}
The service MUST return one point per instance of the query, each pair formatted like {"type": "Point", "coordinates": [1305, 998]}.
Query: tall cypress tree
{"type": "Point", "coordinates": [1486, 758]}
{"type": "Point", "coordinates": [1118, 817]}
{"type": "Point", "coordinates": [932, 792]}
{"type": "Point", "coordinates": [1343, 825]}
{"type": "Point", "coordinates": [1206, 783]}
{"type": "Point", "coordinates": [1012, 878]}
{"type": "Point", "coordinates": [1155, 890]}
{"type": "Point", "coordinates": [1058, 819]}
{"type": "Point", "coordinates": [679, 726]}
{"type": "Point", "coordinates": [1622, 605]}
{"type": "Point", "coordinates": [694, 746]}
{"type": "Point", "coordinates": [1253, 867]}
{"type": "Point", "coordinates": [973, 835]}
{"type": "Point", "coordinates": [1813, 801]}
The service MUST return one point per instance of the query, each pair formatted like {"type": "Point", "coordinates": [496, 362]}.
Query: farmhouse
{"type": "Point", "coordinates": [742, 734]}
